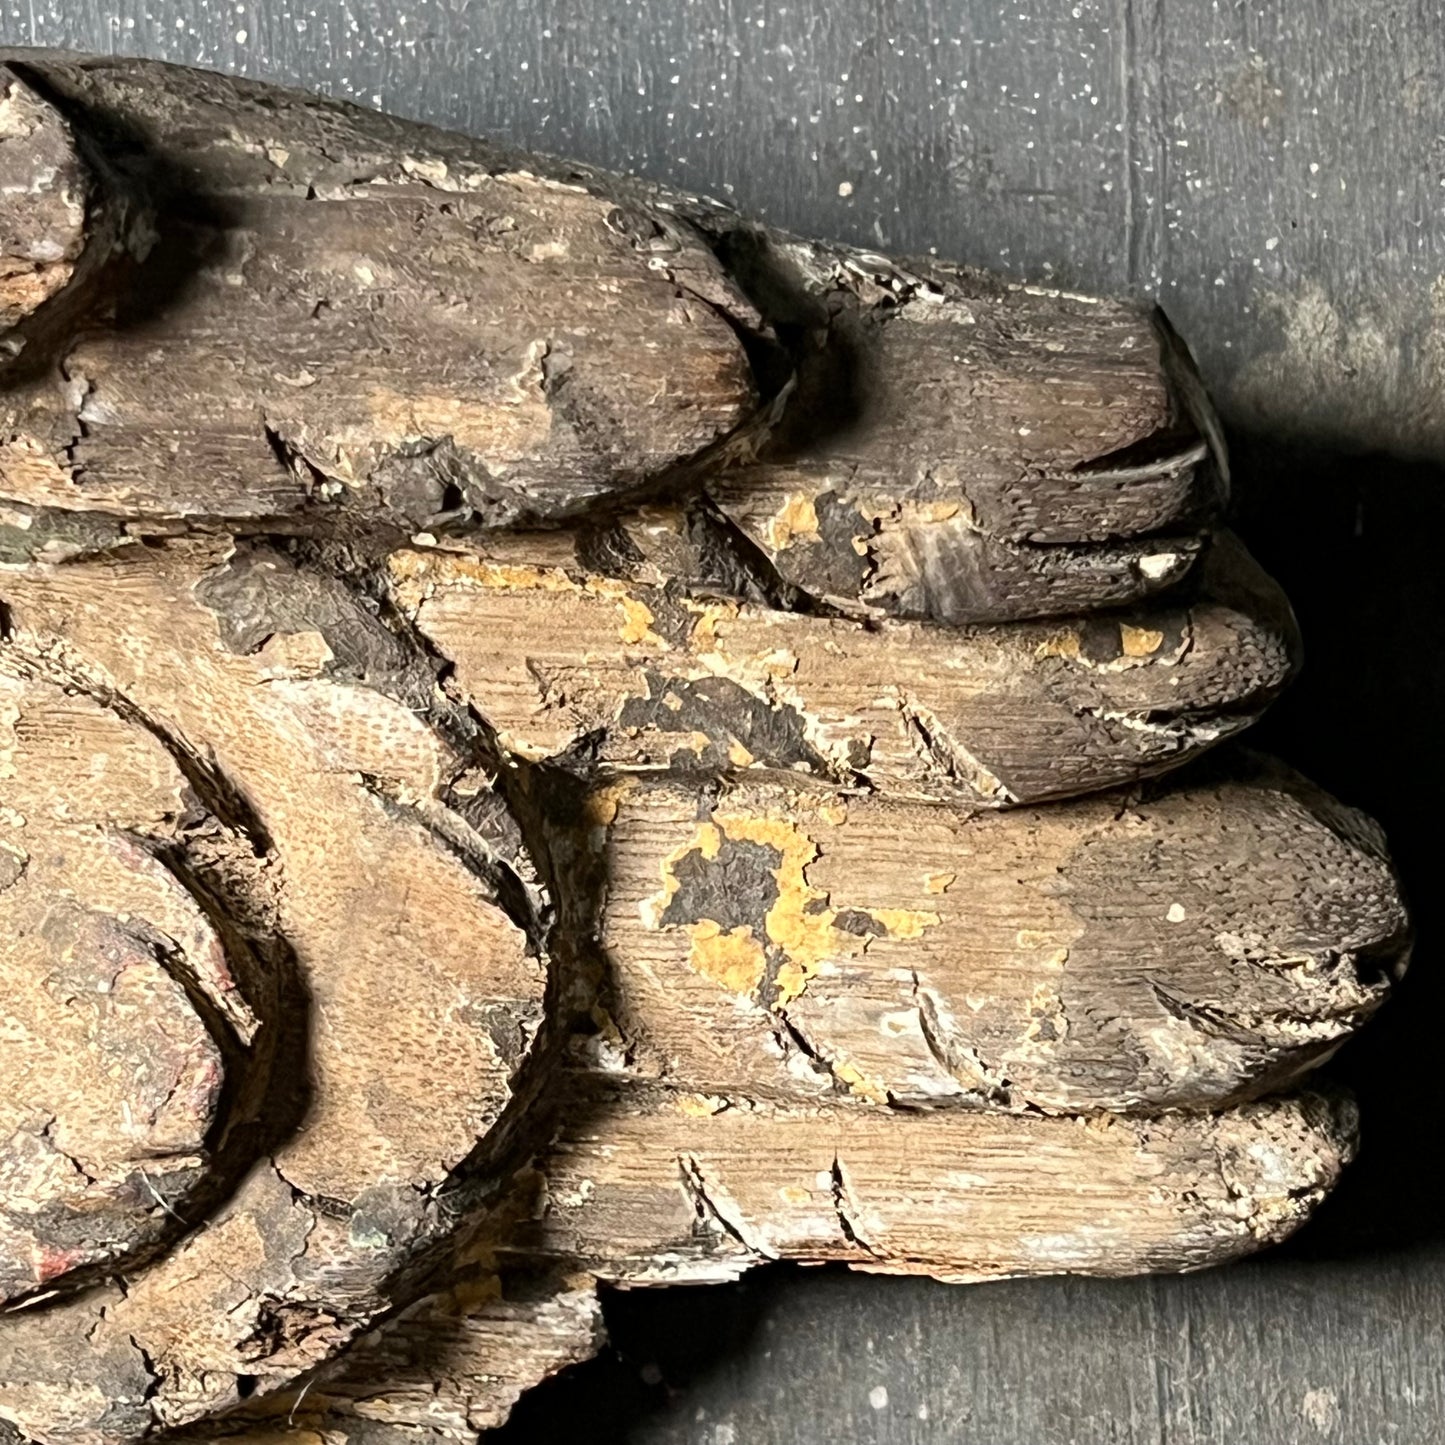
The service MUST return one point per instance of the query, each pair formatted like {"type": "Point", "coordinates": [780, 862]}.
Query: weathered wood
{"type": "Point", "coordinates": [123, 1017]}
{"type": "Point", "coordinates": [1311, 123]}
{"type": "Point", "coordinates": [758, 712]}
{"type": "Point", "coordinates": [291, 697]}
{"type": "Point", "coordinates": [954, 443]}
{"type": "Point", "coordinates": [562, 662]}
{"type": "Point", "coordinates": [1181, 949]}
{"type": "Point", "coordinates": [1048, 417]}
{"type": "Point", "coordinates": [239, 365]}
{"type": "Point", "coordinates": [451, 1365]}
{"type": "Point", "coordinates": [415, 992]}
{"type": "Point", "coordinates": [273, 722]}
{"type": "Point", "coordinates": [949, 447]}
{"type": "Point", "coordinates": [456, 1364]}
{"type": "Point", "coordinates": [46, 189]}
{"type": "Point", "coordinates": [651, 1188]}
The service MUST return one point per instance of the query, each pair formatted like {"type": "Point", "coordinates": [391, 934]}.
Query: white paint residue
{"type": "Point", "coordinates": [1321, 1410]}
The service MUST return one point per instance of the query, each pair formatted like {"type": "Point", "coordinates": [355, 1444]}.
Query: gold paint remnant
{"type": "Point", "coordinates": [798, 517]}
{"type": "Point", "coordinates": [599, 810]}
{"type": "Point", "coordinates": [704, 631]}
{"type": "Point", "coordinates": [905, 922]}
{"type": "Point", "coordinates": [734, 959]}
{"type": "Point", "coordinates": [1139, 641]}
{"type": "Point", "coordinates": [1060, 644]}
{"type": "Point", "coordinates": [700, 1106]}
{"type": "Point", "coordinates": [637, 622]}
{"type": "Point", "coordinates": [800, 925]}
{"type": "Point", "coordinates": [859, 1083]}
{"type": "Point", "coordinates": [738, 755]}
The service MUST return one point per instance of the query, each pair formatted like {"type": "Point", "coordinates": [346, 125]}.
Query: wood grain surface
{"type": "Point", "coordinates": [1274, 176]}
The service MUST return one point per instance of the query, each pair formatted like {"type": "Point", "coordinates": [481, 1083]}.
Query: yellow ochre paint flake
{"type": "Point", "coordinates": [1047, 1020]}
{"type": "Point", "coordinates": [1057, 954]}
{"type": "Point", "coordinates": [421, 568]}
{"type": "Point", "coordinates": [934, 511]}
{"type": "Point", "coordinates": [704, 631]}
{"type": "Point", "coordinates": [699, 1106]}
{"type": "Point", "coordinates": [804, 937]}
{"type": "Point", "coordinates": [1060, 644]}
{"type": "Point", "coordinates": [637, 623]}
{"type": "Point", "coordinates": [798, 517]}
{"type": "Point", "coordinates": [694, 742]}
{"type": "Point", "coordinates": [800, 924]}
{"type": "Point", "coordinates": [860, 1083]}
{"type": "Point", "coordinates": [707, 840]}
{"type": "Point", "coordinates": [734, 959]}
{"type": "Point", "coordinates": [905, 922]}
{"type": "Point", "coordinates": [738, 755]}
{"type": "Point", "coordinates": [636, 614]}
{"type": "Point", "coordinates": [599, 810]}
{"type": "Point", "coordinates": [413, 569]}
{"type": "Point", "coordinates": [477, 1291]}
{"type": "Point", "coordinates": [1139, 641]}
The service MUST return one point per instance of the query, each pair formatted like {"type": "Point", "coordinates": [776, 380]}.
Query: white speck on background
{"type": "Point", "coordinates": [878, 1397]}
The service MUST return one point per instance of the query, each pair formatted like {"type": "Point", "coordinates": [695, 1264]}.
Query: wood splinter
{"type": "Point", "coordinates": [553, 735]}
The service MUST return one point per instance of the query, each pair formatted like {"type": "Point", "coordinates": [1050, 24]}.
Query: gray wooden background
{"type": "Point", "coordinates": [1274, 172]}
